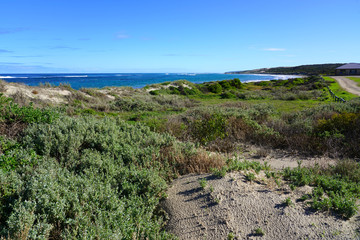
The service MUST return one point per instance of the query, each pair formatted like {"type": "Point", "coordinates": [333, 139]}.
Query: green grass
{"type": "Point", "coordinates": [338, 91]}
{"type": "Point", "coordinates": [335, 188]}
{"type": "Point", "coordinates": [356, 79]}
{"type": "Point", "coordinates": [288, 106]}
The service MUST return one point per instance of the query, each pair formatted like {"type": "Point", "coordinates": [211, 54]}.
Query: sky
{"type": "Point", "coordinates": [212, 36]}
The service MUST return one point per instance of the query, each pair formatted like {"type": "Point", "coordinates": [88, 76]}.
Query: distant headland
{"type": "Point", "coordinates": [328, 69]}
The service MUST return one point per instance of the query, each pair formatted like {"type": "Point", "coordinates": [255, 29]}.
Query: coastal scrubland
{"type": "Point", "coordinates": [78, 163]}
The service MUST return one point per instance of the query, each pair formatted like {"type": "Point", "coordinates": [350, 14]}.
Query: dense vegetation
{"type": "Point", "coordinates": [326, 69]}
{"type": "Point", "coordinates": [96, 167]}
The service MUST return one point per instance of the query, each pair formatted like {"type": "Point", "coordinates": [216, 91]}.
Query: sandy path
{"type": "Point", "coordinates": [348, 84]}
{"type": "Point", "coordinates": [234, 205]}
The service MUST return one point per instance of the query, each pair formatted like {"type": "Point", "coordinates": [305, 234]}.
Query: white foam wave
{"type": "Point", "coordinates": [255, 80]}
{"type": "Point", "coordinates": [187, 74]}
{"type": "Point", "coordinates": [3, 77]}
{"type": "Point", "coordinates": [72, 76]}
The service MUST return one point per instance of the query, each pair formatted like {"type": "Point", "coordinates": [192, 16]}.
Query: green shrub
{"type": "Point", "coordinates": [225, 84]}
{"type": "Point", "coordinates": [188, 91]}
{"type": "Point", "coordinates": [174, 90]}
{"type": "Point", "coordinates": [236, 83]}
{"type": "Point", "coordinates": [215, 87]}
{"type": "Point", "coordinates": [262, 83]}
{"type": "Point", "coordinates": [208, 128]}
{"type": "Point", "coordinates": [154, 92]}
{"type": "Point", "coordinates": [343, 131]}
{"type": "Point", "coordinates": [220, 173]}
{"type": "Point", "coordinates": [93, 175]}
{"type": "Point", "coordinates": [331, 191]}
{"type": "Point", "coordinates": [12, 112]}
{"type": "Point", "coordinates": [227, 95]}
{"type": "Point", "coordinates": [135, 104]}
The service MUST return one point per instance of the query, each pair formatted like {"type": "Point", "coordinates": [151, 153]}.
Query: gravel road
{"type": "Point", "coordinates": [348, 84]}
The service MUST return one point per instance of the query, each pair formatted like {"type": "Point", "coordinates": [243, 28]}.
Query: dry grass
{"type": "Point", "coordinates": [20, 98]}
{"type": "Point", "coordinates": [198, 162]}
{"type": "Point", "coordinates": [12, 130]}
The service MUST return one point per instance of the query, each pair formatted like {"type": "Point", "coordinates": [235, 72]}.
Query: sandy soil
{"type": "Point", "coordinates": [347, 84]}
{"type": "Point", "coordinates": [44, 94]}
{"type": "Point", "coordinates": [233, 205]}
{"type": "Point", "coordinates": [58, 95]}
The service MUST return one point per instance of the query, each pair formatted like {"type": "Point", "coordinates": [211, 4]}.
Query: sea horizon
{"type": "Point", "coordinates": [135, 80]}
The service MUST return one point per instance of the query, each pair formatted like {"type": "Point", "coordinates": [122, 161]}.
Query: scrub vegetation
{"type": "Point", "coordinates": [79, 168]}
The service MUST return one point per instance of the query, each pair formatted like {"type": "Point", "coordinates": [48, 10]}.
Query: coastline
{"type": "Point", "coordinates": [134, 80]}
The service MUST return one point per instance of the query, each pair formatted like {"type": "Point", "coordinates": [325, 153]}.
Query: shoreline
{"type": "Point", "coordinates": [138, 80]}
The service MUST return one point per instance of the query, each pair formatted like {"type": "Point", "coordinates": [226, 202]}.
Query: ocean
{"type": "Point", "coordinates": [135, 80]}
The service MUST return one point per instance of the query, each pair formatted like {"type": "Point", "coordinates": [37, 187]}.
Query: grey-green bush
{"type": "Point", "coordinates": [93, 179]}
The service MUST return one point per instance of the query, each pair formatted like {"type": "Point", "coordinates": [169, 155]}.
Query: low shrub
{"type": "Point", "coordinates": [208, 128]}
{"type": "Point", "coordinates": [341, 133]}
{"type": "Point", "coordinates": [85, 175]}
{"type": "Point", "coordinates": [332, 191]}
{"type": "Point", "coordinates": [12, 112]}
{"type": "Point", "coordinates": [227, 95]}
{"type": "Point", "coordinates": [134, 104]}
{"type": "Point", "coordinates": [215, 87]}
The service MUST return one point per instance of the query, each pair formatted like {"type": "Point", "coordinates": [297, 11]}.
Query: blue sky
{"type": "Point", "coordinates": [175, 36]}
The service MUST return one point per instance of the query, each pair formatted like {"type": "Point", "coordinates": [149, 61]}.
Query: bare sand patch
{"type": "Point", "coordinates": [54, 95]}
{"type": "Point", "coordinates": [233, 205]}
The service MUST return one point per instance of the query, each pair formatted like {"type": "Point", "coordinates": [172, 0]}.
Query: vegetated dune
{"type": "Point", "coordinates": [234, 208]}
{"type": "Point", "coordinates": [59, 94]}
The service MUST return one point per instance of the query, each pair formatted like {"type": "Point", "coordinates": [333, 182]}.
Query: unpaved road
{"type": "Point", "coordinates": [347, 84]}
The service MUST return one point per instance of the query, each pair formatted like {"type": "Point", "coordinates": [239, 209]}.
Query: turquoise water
{"type": "Point", "coordinates": [135, 80]}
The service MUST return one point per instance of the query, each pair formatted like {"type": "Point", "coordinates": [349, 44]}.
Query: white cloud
{"type": "Point", "coordinates": [275, 49]}
{"type": "Point", "coordinates": [64, 47]}
{"type": "Point", "coordinates": [122, 36]}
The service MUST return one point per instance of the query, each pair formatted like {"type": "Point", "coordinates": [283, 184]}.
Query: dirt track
{"type": "Point", "coordinates": [348, 84]}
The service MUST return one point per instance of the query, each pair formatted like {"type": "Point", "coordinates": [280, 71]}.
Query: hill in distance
{"type": "Point", "coordinates": [327, 69]}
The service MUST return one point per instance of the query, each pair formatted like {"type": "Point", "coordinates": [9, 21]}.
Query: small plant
{"type": "Point", "coordinates": [259, 232]}
{"type": "Point", "coordinates": [217, 200]}
{"type": "Point", "coordinates": [278, 183]}
{"type": "Point", "coordinates": [304, 197]}
{"type": "Point", "coordinates": [250, 177]}
{"type": "Point", "coordinates": [220, 173]}
{"type": "Point", "coordinates": [231, 236]}
{"type": "Point", "coordinates": [211, 188]}
{"type": "Point", "coordinates": [203, 183]}
{"type": "Point", "coordinates": [288, 202]}
{"type": "Point", "coordinates": [292, 187]}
